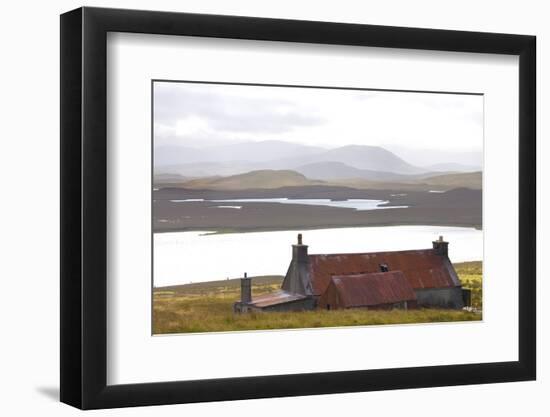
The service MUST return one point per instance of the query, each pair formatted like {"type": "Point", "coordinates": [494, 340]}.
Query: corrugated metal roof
{"type": "Point", "coordinates": [422, 268]}
{"type": "Point", "coordinates": [372, 289]}
{"type": "Point", "coordinates": [277, 297]}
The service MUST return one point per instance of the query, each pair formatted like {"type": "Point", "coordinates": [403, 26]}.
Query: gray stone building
{"type": "Point", "coordinates": [374, 280]}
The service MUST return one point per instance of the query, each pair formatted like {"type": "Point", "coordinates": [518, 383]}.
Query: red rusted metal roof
{"type": "Point", "coordinates": [422, 268]}
{"type": "Point", "coordinates": [372, 289]}
{"type": "Point", "coordinates": [277, 297]}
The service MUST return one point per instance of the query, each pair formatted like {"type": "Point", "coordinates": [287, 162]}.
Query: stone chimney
{"type": "Point", "coordinates": [441, 247]}
{"type": "Point", "coordinates": [299, 251]}
{"type": "Point", "coordinates": [246, 289]}
{"type": "Point", "coordinates": [297, 279]}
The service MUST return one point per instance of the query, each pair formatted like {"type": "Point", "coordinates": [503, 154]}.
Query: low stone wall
{"type": "Point", "coordinates": [298, 305]}
{"type": "Point", "coordinates": [440, 297]}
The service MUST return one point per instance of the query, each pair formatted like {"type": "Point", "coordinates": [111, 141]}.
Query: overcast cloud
{"type": "Point", "coordinates": [201, 115]}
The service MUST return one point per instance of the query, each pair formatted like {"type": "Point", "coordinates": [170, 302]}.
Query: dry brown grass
{"type": "Point", "coordinates": [208, 307]}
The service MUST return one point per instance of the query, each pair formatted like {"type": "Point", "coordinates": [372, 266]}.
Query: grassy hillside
{"type": "Point", "coordinates": [443, 182]}
{"type": "Point", "coordinates": [262, 285]}
{"type": "Point", "coordinates": [267, 179]}
{"type": "Point", "coordinates": [207, 307]}
{"type": "Point", "coordinates": [272, 179]}
{"type": "Point", "coordinates": [460, 180]}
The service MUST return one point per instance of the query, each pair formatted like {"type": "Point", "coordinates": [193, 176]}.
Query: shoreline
{"type": "Point", "coordinates": [456, 208]}
{"type": "Point", "coordinates": [222, 231]}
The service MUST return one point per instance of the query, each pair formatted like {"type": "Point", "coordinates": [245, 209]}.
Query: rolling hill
{"type": "Point", "coordinates": [339, 171]}
{"type": "Point", "coordinates": [471, 180]}
{"type": "Point", "coordinates": [372, 158]}
{"type": "Point", "coordinates": [265, 179]}
{"type": "Point", "coordinates": [450, 166]}
{"type": "Point", "coordinates": [272, 179]}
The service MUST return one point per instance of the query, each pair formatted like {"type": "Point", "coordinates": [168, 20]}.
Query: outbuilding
{"type": "Point", "coordinates": [378, 290]}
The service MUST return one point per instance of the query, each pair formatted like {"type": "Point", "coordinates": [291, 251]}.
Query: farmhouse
{"type": "Point", "coordinates": [375, 280]}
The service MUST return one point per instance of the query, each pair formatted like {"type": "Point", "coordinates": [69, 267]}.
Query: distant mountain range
{"type": "Point", "coordinates": [453, 166]}
{"type": "Point", "coordinates": [372, 158]}
{"type": "Point", "coordinates": [272, 179]}
{"type": "Point", "coordinates": [339, 170]}
{"type": "Point", "coordinates": [263, 151]}
{"type": "Point", "coordinates": [371, 163]}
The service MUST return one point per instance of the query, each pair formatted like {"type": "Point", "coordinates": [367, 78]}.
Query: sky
{"type": "Point", "coordinates": [201, 115]}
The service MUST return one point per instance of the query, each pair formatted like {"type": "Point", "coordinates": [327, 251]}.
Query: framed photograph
{"type": "Point", "coordinates": [257, 207]}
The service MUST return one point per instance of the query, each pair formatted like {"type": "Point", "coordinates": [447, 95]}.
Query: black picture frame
{"type": "Point", "coordinates": [84, 207]}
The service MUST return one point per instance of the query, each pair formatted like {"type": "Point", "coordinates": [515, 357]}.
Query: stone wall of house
{"type": "Point", "coordinates": [298, 305]}
{"type": "Point", "coordinates": [440, 297]}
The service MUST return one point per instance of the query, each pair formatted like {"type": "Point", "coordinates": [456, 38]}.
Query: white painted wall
{"type": "Point", "coordinates": [29, 103]}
